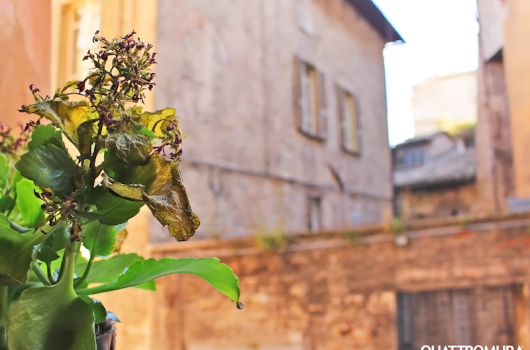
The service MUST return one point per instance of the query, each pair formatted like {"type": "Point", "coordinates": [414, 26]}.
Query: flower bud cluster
{"type": "Point", "coordinates": [12, 141]}
{"type": "Point", "coordinates": [171, 141]}
{"type": "Point", "coordinates": [59, 210]}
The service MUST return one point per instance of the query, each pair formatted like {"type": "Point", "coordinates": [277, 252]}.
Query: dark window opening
{"type": "Point", "coordinates": [314, 217]}
{"type": "Point", "coordinates": [455, 317]}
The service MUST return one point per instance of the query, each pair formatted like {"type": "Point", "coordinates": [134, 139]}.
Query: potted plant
{"type": "Point", "coordinates": [63, 212]}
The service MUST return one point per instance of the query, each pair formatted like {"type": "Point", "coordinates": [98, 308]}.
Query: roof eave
{"type": "Point", "coordinates": [375, 17]}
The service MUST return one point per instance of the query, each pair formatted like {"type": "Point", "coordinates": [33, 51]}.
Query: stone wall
{"type": "Point", "coordinates": [229, 72]}
{"type": "Point", "coordinates": [444, 201]}
{"type": "Point", "coordinates": [493, 134]}
{"type": "Point", "coordinates": [336, 290]}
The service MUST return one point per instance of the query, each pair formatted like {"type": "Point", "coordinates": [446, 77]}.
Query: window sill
{"type": "Point", "coordinates": [356, 154]}
{"type": "Point", "coordinates": [312, 136]}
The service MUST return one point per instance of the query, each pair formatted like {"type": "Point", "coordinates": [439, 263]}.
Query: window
{"type": "Point", "coordinates": [311, 101]}
{"type": "Point", "coordinates": [81, 19]}
{"type": "Point", "coordinates": [314, 223]}
{"type": "Point", "coordinates": [349, 122]}
{"type": "Point", "coordinates": [463, 316]}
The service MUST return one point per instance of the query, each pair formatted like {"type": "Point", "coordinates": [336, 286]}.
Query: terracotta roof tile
{"type": "Point", "coordinates": [452, 168]}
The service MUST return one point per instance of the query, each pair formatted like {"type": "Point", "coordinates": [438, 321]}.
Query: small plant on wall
{"type": "Point", "coordinates": [60, 199]}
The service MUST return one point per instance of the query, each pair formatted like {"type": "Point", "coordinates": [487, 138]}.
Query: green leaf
{"type": "Point", "coordinates": [58, 239]}
{"type": "Point", "coordinates": [100, 313]}
{"type": "Point", "coordinates": [51, 318]}
{"type": "Point", "coordinates": [65, 115]}
{"type": "Point", "coordinates": [48, 166]}
{"type": "Point", "coordinates": [130, 148]}
{"type": "Point", "coordinates": [16, 251]}
{"type": "Point", "coordinates": [44, 134]}
{"type": "Point", "coordinates": [6, 204]}
{"type": "Point", "coordinates": [5, 171]}
{"type": "Point", "coordinates": [220, 276]}
{"type": "Point", "coordinates": [99, 239]}
{"type": "Point", "coordinates": [28, 204]}
{"type": "Point", "coordinates": [144, 131]}
{"type": "Point", "coordinates": [108, 270]}
{"type": "Point", "coordinates": [47, 255]}
{"type": "Point", "coordinates": [114, 210]}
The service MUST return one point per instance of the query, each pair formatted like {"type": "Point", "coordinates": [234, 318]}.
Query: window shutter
{"type": "Point", "coordinates": [359, 126]}
{"type": "Point", "coordinates": [297, 92]}
{"type": "Point", "coordinates": [322, 106]}
{"type": "Point", "coordinates": [342, 117]}
{"type": "Point", "coordinates": [305, 98]}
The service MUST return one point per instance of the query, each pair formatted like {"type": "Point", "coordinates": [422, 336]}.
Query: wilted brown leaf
{"type": "Point", "coordinates": [65, 114]}
{"type": "Point", "coordinates": [130, 148]}
{"type": "Point", "coordinates": [154, 121]}
{"type": "Point", "coordinates": [159, 185]}
{"type": "Point", "coordinates": [120, 238]}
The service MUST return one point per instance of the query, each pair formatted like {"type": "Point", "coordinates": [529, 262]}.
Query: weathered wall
{"type": "Point", "coordinates": [229, 72]}
{"type": "Point", "coordinates": [442, 202]}
{"type": "Point", "coordinates": [327, 292]}
{"type": "Point", "coordinates": [516, 57]}
{"type": "Point", "coordinates": [24, 54]}
{"type": "Point", "coordinates": [491, 14]}
{"type": "Point", "coordinates": [495, 168]}
{"type": "Point", "coordinates": [493, 134]}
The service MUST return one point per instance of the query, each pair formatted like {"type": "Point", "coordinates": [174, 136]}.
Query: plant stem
{"type": "Point", "coordinates": [95, 154]}
{"type": "Point", "coordinates": [49, 271]}
{"type": "Point", "coordinates": [70, 254]}
{"type": "Point", "coordinates": [40, 274]}
{"type": "Point", "coordinates": [61, 269]}
{"type": "Point", "coordinates": [4, 308]}
{"type": "Point", "coordinates": [83, 278]}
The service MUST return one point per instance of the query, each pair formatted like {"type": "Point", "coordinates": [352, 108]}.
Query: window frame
{"type": "Point", "coordinates": [311, 95]}
{"type": "Point", "coordinates": [342, 94]}
{"type": "Point", "coordinates": [68, 27]}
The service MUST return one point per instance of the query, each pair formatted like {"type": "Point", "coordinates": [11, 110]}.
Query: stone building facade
{"type": "Point", "coordinates": [236, 75]}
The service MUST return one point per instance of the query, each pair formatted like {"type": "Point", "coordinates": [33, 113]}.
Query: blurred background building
{"type": "Point", "coordinates": [445, 103]}
{"type": "Point", "coordinates": [287, 163]}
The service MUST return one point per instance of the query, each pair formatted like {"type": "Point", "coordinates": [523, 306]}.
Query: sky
{"type": "Point", "coordinates": [440, 38]}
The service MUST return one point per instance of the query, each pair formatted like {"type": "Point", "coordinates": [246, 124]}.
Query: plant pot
{"type": "Point", "coordinates": [106, 335]}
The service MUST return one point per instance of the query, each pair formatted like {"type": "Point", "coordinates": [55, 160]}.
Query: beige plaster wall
{"type": "Point", "coordinates": [442, 102]}
{"type": "Point", "coordinates": [24, 54]}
